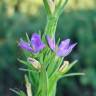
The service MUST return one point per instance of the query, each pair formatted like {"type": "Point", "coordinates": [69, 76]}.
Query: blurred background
{"type": "Point", "coordinates": [78, 22]}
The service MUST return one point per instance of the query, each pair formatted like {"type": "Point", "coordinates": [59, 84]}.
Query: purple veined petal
{"type": "Point", "coordinates": [25, 45]}
{"type": "Point", "coordinates": [51, 43]}
{"type": "Point", "coordinates": [35, 40]}
{"type": "Point", "coordinates": [37, 48]}
{"type": "Point", "coordinates": [36, 43]}
{"type": "Point", "coordinates": [71, 47]}
{"type": "Point", "coordinates": [65, 52]}
{"type": "Point", "coordinates": [35, 37]}
{"type": "Point", "coordinates": [64, 44]}
{"type": "Point", "coordinates": [41, 46]}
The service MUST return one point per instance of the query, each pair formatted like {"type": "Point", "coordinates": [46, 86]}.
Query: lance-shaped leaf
{"type": "Point", "coordinates": [74, 74]}
{"type": "Point", "coordinates": [47, 7]}
{"type": "Point", "coordinates": [19, 93]}
{"type": "Point", "coordinates": [60, 7]}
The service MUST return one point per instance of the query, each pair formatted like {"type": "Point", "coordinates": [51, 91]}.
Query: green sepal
{"type": "Point", "coordinates": [27, 37]}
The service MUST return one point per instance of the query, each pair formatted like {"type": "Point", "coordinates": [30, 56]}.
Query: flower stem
{"type": "Point", "coordinates": [51, 25]}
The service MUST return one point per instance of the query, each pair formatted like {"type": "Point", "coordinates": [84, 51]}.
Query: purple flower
{"type": "Point", "coordinates": [64, 48]}
{"type": "Point", "coordinates": [51, 43]}
{"type": "Point", "coordinates": [34, 46]}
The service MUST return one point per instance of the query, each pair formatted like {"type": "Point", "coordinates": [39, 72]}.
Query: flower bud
{"type": "Point", "coordinates": [52, 5]}
{"type": "Point", "coordinates": [34, 63]}
{"type": "Point", "coordinates": [64, 67]}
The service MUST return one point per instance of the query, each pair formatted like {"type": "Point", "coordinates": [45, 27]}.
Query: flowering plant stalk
{"type": "Point", "coordinates": [45, 63]}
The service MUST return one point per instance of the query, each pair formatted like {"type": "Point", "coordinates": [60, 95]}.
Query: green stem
{"type": "Point", "coordinates": [51, 25]}
{"type": "Point", "coordinates": [53, 90]}
{"type": "Point", "coordinates": [52, 85]}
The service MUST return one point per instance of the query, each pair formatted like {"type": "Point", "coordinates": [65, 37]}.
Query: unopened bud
{"type": "Point", "coordinates": [64, 67]}
{"type": "Point", "coordinates": [34, 63]}
{"type": "Point", "coordinates": [52, 5]}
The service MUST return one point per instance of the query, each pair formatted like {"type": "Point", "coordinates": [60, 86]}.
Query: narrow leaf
{"type": "Point", "coordinates": [47, 7]}
{"type": "Point", "coordinates": [73, 74]}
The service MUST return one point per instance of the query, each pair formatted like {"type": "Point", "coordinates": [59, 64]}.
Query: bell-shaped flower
{"type": "Point", "coordinates": [35, 45]}
{"type": "Point", "coordinates": [63, 49]}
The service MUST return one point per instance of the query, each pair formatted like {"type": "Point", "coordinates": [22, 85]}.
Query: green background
{"type": "Point", "coordinates": [78, 22]}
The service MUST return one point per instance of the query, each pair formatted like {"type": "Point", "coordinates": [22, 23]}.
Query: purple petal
{"type": "Point", "coordinates": [71, 47]}
{"type": "Point", "coordinates": [25, 45]}
{"type": "Point", "coordinates": [67, 51]}
{"type": "Point", "coordinates": [51, 43]}
{"type": "Point", "coordinates": [64, 44]}
{"type": "Point", "coordinates": [35, 37]}
{"type": "Point", "coordinates": [36, 43]}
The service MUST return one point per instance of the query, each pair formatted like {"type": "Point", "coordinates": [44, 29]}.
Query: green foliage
{"type": "Point", "coordinates": [19, 93]}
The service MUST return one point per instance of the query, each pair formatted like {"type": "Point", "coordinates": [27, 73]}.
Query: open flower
{"type": "Point", "coordinates": [64, 48]}
{"type": "Point", "coordinates": [35, 45]}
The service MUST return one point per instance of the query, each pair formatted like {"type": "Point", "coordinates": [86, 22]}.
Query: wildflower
{"type": "Point", "coordinates": [34, 45]}
{"type": "Point", "coordinates": [64, 48]}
